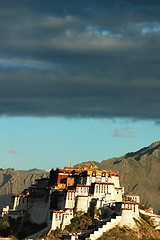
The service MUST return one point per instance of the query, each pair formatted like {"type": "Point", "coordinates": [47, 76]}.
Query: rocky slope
{"type": "Point", "coordinates": [139, 173]}
{"type": "Point", "coordinates": [14, 182]}
{"type": "Point", "coordinates": [142, 231]}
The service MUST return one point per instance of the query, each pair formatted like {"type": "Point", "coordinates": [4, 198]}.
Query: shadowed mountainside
{"type": "Point", "coordinates": [14, 182]}
{"type": "Point", "coordinates": [139, 173]}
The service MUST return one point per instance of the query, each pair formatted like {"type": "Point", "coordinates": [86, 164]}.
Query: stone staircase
{"type": "Point", "coordinates": [107, 226]}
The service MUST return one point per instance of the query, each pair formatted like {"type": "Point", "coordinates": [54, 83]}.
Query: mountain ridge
{"type": "Point", "coordinates": [138, 171]}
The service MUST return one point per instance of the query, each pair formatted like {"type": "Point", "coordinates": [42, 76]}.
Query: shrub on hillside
{"type": "Point", "coordinates": [143, 207]}
{"type": "Point", "coordinates": [147, 219]}
{"type": "Point", "coordinates": [4, 227]}
{"type": "Point", "coordinates": [81, 223]}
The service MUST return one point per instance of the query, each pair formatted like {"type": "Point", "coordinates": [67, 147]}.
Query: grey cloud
{"type": "Point", "coordinates": [123, 133]}
{"type": "Point", "coordinates": [80, 59]}
{"type": "Point", "coordinates": [13, 151]}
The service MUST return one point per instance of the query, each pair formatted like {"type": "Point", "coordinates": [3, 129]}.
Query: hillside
{"type": "Point", "coordinates": [83, 222]}
{"type": "Point", "coordinates": [139, 173]}
{"type": "Point", "coordinates": [14, 182]}
{"type": "Point", "coordinates": [142, 231]}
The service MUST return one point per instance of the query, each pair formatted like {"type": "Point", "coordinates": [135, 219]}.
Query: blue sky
{"type": "Point", "coordinates": [79, 80]}
{"type": "Point", "coordinates": [56, 142]}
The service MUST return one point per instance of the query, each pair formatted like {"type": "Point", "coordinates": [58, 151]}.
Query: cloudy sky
{"type": "Point", "coordinates": [79, 80]}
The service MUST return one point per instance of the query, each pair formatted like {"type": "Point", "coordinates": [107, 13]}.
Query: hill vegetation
{"type": "Point", "coordinates": [142, 231]}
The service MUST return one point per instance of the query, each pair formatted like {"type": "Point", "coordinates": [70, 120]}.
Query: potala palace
{"type": "Point", "coordinates": [53, 200]}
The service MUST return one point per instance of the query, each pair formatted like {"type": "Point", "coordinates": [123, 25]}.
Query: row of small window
{"type": "Point", "coordinates": [134, 198]}
{"type": "Point", "coordinates": [99, 175]}
{"type": "Point", "coordinates": [82, 189]}
{"type": "Point", "coordinates": [130, 206]}
{"type": "Point", "coordinates": [103, 189]}
{"type": "Point", "coordinates": [59, 216]}
{"type": "Point", "coordinates": [70, 196]}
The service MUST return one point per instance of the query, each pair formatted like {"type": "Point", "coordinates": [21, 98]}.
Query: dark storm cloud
{"type": "Point", "coordinates": [80, 58]}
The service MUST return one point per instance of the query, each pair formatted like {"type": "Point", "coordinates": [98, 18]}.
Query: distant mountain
{"type": "Point", "coordinates": [35, 171]}
{"type": "Point", "coordinates": [139, 173]}
{"type": "Point", "coordinates": [14, 182]}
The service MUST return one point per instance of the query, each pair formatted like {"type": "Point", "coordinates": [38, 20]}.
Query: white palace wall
{"type": "Point", "coordinates": [61, 218]}
{"type": "Point", "coordinates": [82, 203]}
{"type": "Point", "coordinates": [130, 210]}
{"type": "Point", "coordinates": [70, 199]}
